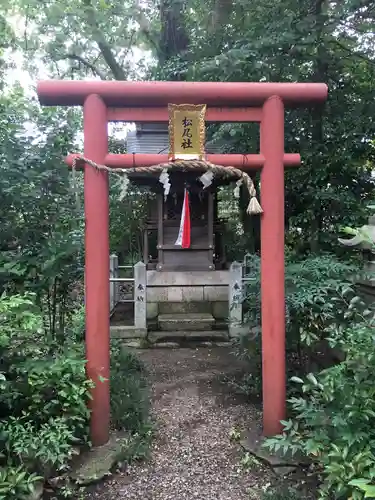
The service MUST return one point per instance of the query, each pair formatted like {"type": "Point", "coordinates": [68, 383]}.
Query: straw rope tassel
{"type": "Point", "coordinates": [253, 207]}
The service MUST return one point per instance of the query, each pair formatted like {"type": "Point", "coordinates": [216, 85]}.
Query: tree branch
{"type": "Point", "coordinates": [353, 52]}
{"type": "Point", "coordinates": [144, 24]}
{"type": "Point", "coordinates": [87, 64]}
{"type": "Point", "coordinates": [105, 49]}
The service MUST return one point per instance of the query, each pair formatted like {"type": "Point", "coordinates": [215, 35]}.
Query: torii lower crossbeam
{"type": "Point", "coordinates": [244, 162]}
{"type": "Point", "coordinates": [105, 101]}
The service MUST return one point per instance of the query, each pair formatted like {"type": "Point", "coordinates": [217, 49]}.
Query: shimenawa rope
{"type": "Point", "coordinates": [185, 165]}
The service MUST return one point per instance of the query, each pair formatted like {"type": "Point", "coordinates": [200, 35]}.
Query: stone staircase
{"type": "Point", "coordinates": [188, 327]}
{"type": "Point", "coordinates": [177, 322]}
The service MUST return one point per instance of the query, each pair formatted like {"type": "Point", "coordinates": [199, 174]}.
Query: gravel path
{"type": "Point", "coordinates": [192, 455]}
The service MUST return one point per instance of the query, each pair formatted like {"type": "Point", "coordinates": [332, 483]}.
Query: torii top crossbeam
{"type": "Point", "coordinates": [153, 94]}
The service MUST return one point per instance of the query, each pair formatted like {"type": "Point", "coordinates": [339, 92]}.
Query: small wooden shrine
{"type": "Point", "coordinates": [205, 251]}
{"type": "Point", "coordinates": [161, 252]}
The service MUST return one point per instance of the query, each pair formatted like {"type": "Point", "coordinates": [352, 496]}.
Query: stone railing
{"type": "Point", "coordinates": [139, 280]}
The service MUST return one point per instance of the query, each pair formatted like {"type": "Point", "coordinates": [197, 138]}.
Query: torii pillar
{"type": "Point", "coordinates": [147, 101]}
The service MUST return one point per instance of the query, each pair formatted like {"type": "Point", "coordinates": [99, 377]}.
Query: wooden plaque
{"type": "Point", "coordinates": [187, 131]}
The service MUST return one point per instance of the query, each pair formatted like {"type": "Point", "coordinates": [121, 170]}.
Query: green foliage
{"type": "Point", "coordinates": [292, 41]}
{"type": "Point", "coordinates": [41, 237]}
{"type": "Point", "coordinates": [41, 242]}
{"type": "Point", "coordinates": [363, 485]}
{"type": "Point", "coordinates": [129, 392]}
{"type": "Point", "coordinates": [333, 414]}
{"type": "Point", "coordinates": [136, 447]}
{"type": "Point", "coordinates": [17, 483]}
{"type": "Point", "coordinates": [314, 300]}
{"type": "Point", "coordinates": [43, 398]}
{"type": "Point", "coordinates": [102, 35]}
{"type": "Point", "coordinates": [46, 384]}
{"type": "Point", "coordinates": [42, 447]}
{"type": "Point", "coordinates": [130, 403]}
{"type": "Point", "coordinates": [310, 284]}
{"type": "Point", "coordinates": [333, 417]}
{"type": "Point", "coordinates": [281, 494]}
{"type": "Point", "coordinates": [126, 236]}
{"type": "Point", "coordinates": [248, 349]}
{"type": "Point", "coordinates": [43, 387]}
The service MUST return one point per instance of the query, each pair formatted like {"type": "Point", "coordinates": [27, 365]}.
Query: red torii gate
{"type": "Point", "coordinates": [147, 102]}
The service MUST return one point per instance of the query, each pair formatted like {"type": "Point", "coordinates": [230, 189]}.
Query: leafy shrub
{"type": "Point", "coordinates": [333, 420]}
{"type": "Point", "coordinates": [75, 326]}
{"type": "Point", "coordinates": [44, 395]}
{"type": "Point", "coordinates": [313, 301]}
{"type": "Point", "coordinates": [129, 394]}
{"type": "Point", "coordinates": [43, 448]}
{"type": "Point", "coordinates": [309, 286]}
{"type": "Point", "coordinates": [281, 494]}
{"type": "Point", "coordinates": [248, 349]}
{"type": "Point", "coordinates": [43, 398]}
{"type": "Point", "coordinates": [17, 483]}
{"type": "Point", "coordinates": [363, 485]}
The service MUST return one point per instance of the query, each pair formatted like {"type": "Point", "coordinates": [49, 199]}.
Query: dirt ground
{"type": "Point", "coordinates": [192, 454]}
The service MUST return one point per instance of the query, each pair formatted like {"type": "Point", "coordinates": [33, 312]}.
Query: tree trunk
{"type": "Point", "coordinates": [174, 40]}
{"type": "Point", "coordinates": [317, 114]}
{"type": "Point", "coordinates": [105, 49]}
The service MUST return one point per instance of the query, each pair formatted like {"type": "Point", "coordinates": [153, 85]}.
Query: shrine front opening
{"type": "Point", "coordinates": [148, 102]}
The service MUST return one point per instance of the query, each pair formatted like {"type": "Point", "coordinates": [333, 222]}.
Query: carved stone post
{"type": "Point", "coordinates": [235, 299]}
{"type": "Point", "coordinates": [140, 296]}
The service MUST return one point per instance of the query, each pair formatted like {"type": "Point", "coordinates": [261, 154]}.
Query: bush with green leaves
{"type": "Point", "coordinates": [129, 391]}
{"type": "Point", "coordinates": [310, 284]}
{"type": "Point", "coordinates": [364, 485]}
{"type": "Point", "coordinates": [281, 493]}
{"type": "Point", "coordinates": [17, 483]}
{"type": "Point", "coordinates": [313, 301]}
{"type": "Point", "coordinates": [43, 398]}
{"type": "Point", "coordinates": [333, 417]}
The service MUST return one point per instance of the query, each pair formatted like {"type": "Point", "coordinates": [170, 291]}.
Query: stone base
{"type": "Point", "coordinates": [194, 287]}
{"type": "Point", "coordinates": [220, 310]}
{"type": "Point", "coordinates": [237, 330]}
{"type": "Point", "coordinates": [127, 332]}
{"type": "Point", "coordinates": [281, 464]}
{"type": "Point", "coordinates": [98, 462]}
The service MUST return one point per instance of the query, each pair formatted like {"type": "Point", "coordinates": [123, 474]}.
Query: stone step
{"type": "Point", "coordinates": [184, 307]}
{"type": "Point", "coordinates": [188, 338]}
{"type": "Point", "coordinates": [186, 322]}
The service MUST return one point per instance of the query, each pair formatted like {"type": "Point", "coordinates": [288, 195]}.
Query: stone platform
{"type": "Point", "coordinates": [185, 290]}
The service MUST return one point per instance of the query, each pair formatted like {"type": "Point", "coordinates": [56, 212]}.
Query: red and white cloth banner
{"type": "Point", "coordinates": [183, 238]}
